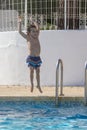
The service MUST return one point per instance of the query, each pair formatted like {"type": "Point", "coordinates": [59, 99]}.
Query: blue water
{"type": "Point", "coordinates": [42, 115]}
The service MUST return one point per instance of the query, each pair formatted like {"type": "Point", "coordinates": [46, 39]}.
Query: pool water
{"type": "Point", "coordinates": [42, 115]}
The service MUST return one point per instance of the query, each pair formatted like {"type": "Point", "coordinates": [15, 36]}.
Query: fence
{"type": "Point", "coordinates": [51, 14]}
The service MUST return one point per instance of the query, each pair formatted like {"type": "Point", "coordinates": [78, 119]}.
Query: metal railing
{"type": "Point", "coordinates": [85, 87]}
{"type": "Point", "coordinates": [59, 75]}
{"type": "Point", "coordinates": [50, 14]}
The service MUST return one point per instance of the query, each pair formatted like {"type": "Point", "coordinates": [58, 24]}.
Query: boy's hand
{"type": "Point", "coordinates": [30, 19]}
{"type": "Point", "coordinates": [19, 18]}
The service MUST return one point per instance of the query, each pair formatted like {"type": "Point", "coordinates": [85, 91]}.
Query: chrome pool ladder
{"type": "Point", "coordinates": [59, 76]}
{"type": "Point", "coordinates": [85, 87]}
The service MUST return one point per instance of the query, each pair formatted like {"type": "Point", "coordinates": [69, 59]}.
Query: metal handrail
{"type": "Point", "coordinates": [59, 66]}
{"type": "Point", "coordinates": [85, 87]}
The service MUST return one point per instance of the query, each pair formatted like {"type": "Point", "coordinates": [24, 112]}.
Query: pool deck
{"type": "Point", "coordinates": [70, 92]}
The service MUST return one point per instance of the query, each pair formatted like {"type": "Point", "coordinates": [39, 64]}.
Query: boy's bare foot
{"type": "Point", "coordinates": [39, 89]}
{"type": "Point", "coordinates": [31, 89]}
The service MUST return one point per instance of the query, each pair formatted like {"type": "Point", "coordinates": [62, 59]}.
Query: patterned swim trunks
{"type": "Point", "coordinates": [34, 61]}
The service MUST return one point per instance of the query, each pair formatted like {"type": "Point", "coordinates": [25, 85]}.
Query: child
{"type": "Point", "coordinates": [33, 60]}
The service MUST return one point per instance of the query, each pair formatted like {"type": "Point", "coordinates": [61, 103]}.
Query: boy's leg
{"type": "Point", "coordinates": [38, 78]}
{"type": "Point", "coordinates": [31, 77]}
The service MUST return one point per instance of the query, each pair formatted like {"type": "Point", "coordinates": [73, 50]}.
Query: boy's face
{"type": "Point", "coordinates": [34, 32]}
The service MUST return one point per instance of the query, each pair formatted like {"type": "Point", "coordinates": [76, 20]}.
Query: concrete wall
{"type": "Point", "coordinates": [70, 46]}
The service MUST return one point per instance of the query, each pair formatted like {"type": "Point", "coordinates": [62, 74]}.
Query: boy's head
{"type": "Point", "coordinates": [31, 27]}
{"type": "Point", "coordinates": [32, 30]}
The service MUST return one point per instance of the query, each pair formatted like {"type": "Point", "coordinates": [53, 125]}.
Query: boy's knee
{"type": "Point", "coordinates": [31, 69]}
{"type": "Point", "coordinates": [37, 70]}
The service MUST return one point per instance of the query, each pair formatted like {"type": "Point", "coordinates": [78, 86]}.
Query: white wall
{"type": "Point", "coordinates": [70, 46]}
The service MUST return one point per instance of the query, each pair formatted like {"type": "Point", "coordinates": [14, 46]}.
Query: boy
{"type": "Point", "coordinates": [33, 60]}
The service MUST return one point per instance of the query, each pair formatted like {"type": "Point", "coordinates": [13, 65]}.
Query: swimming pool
{"type": "Point", "coordinates": [42, 115]}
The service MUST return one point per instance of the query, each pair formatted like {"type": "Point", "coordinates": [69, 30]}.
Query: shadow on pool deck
{"type": "Point", "coordinates": [23, 92]}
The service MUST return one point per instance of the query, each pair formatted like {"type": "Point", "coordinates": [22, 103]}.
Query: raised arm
{"type": "Point", "coordinates": [20, 30]}
{"type": "Point", "coordinates": [36, 24]}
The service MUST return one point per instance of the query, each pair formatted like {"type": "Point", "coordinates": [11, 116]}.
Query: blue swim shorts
{"type": "Point", "coordinates": [34, 61]}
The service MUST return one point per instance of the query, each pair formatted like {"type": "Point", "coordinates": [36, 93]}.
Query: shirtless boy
{"type": "Point", "coordinates": [33, 60]}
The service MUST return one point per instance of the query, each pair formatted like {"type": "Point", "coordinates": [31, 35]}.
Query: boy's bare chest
{"type": "Point", "coordinates": [33, 41]}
